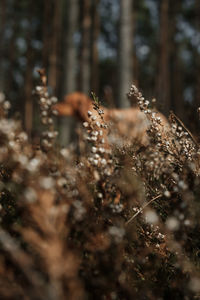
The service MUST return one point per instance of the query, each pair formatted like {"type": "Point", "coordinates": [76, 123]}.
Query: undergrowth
{"type": "Point", "coordinates": [109, 223]}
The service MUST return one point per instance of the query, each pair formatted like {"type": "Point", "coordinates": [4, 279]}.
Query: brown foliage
{"type": "Point", "coordinates": [111, 223]}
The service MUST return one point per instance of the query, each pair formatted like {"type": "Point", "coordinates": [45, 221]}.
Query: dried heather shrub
{"type": "Point", "coordinates": [110, 223]}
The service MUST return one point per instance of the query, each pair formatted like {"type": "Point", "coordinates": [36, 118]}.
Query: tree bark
{"type": "Point", "coordinates": [53, 56]}
{"type": "Point", "coordinates": [69, 83]}
{"type": "Point", "coordinates": [197, 58]}
{"type": "Point", "coordinates": [70, 54]}
{"type": "Point", "coordinates": [2, 27]}
{"type": "Point", "coordinates": [28, 85]}
{"type": "Point", "coordinates": [164, 71]}
{"type": "Point", "coordinates": [47, 17]}
{"type": "Point", "coordinates": [95, 29]}
{"type": "Point", "coordinates": [125, 72]}
{"type": "Point", "coordinates": [10, 86]}
{"type": "Point", "coordinates": [176, 78]}
{"type": "Point", "coordinates": [85, 73]}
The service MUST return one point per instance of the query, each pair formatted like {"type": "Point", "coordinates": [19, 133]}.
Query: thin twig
{"type": "Point", "coordinates": [188, 131]}
{"type": "Point", "coordinates": [141, 209]}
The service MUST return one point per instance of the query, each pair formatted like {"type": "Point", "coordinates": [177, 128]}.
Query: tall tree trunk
{"type": "Point", "coordinates": [54, 47]}
{"type": "Point", "coordinates": [95, 28]}
{"type": "Point", "coordinates": [10, 86]}
{"type": "Point", "coordinates": [164, 72]}
{"type": "Point", "coordinates": [70, 52]}
{"type": "Point", "coordinates": [177, 85]}
{"type": "Point", "coordinates": [85, 74]}
{"type": "Point", "coordinates": [2, 28]}
{"type": "Point", "coordinates": [176, 79]}
{"type": "Point", "coordinates": [29, 74]}
{"type": "Point", "coordinates": [125, 72]}
{"type": "Point", "coordinates": [197, 88]}
{"type": "Point", "coordinates": [69, 83]}
{"type": "Point", "coordinates": [47, 17]}
{"type": "Point", "coordinates": [135, 62]}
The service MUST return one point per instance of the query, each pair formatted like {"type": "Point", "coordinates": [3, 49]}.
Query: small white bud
{"type": "Point", "coordinates": [167, 194]}
{"type": "Point", "coordinates": [103, 161]}
{"type": "Point", "coordinates": [94, 133]}
{"type": "Point", "coordinates": [94, 149]}
{"type": "Point", "coordinates": [93, 138]}
{"type": "Point", "coordinates": [95, 161]}
{"type": "Point", "coordinates": [38, 88]}
{"type": "Point", "coordinates": [54, 100]}
{"type": "Point", "coordinates": [101, 150]}
{"type": "Point", "coordinates": [85, 124]}
{"type": "Point", "coordinates": [6, 105]}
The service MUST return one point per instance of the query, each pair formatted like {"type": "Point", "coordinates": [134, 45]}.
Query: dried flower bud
{"type": "Point", "coordinates": [85, 124]}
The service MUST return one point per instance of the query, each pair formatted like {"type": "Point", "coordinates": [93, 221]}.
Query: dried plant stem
{"type": "Point", "coordinates": [188, 131]}
{"type": "Point", "coordinates": [142, 208]}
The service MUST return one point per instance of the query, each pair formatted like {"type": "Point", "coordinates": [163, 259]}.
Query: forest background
{"type": "Point", "coordinates": [101, 46]}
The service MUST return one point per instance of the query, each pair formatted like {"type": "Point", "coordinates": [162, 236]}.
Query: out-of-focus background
{"type": "Point", "coordinates": [102, 46]}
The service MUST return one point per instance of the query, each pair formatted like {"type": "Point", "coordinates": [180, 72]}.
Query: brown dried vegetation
{"type": "Point", "coordinates": [110, 223]}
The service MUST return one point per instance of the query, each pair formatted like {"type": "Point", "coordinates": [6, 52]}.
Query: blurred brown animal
{"type": "Point", "coordinates": [127, 125]}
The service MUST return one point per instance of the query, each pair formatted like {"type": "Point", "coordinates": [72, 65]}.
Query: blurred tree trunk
{"type": "Point", "coordinates": [28, 85]}
{"type": "Point", "coordinates": [69, 81]}
{"type": "Point", "coordinates": [163, 81]}
{"type": "Point", "coordinates": [135, 62]}
{"type": "Point", "coordinates": [177, 85]}
{"type": "Point", "coordinates": [95, 29]}
{"type": "Point", "coordinates": [2, 29]}
{"type": "Point", "coordinates": [176, 79]}
{"type": "Point", "coordinates": [54, 45]}
{"type": "Point", "coordinates": [197, 58]}
{"type": "Point", "coordinates": [125, 64]}
{"type": "Point", "coordinates": [70, 55]}
{"type": "Point", "coordinates": [85, 73]}
{"type": "Point", "coordinates": [10, 85]}
{"type": "Point", "coordinates": [47, 17]}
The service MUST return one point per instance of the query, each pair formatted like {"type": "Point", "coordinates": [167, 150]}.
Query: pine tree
{"type": "Point", "coordinates": [163, 81]}
{"type": "Point", "coordinates": [125, 63]}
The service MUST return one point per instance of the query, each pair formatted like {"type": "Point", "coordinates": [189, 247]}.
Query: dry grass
{"type": "Point", "coordinates": [119, 223]}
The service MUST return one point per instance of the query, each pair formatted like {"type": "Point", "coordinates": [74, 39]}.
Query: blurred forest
{"type": "Point", "coordinates": [102, 46]}
{"type": "Point", "coordinates": [115, 215]}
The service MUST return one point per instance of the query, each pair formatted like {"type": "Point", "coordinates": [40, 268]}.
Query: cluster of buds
{"type": "Point", "coordinates": [156, 127]}
{"type": "Point", "coordinates": [46, 102]}
{"type": "Point", "coordinates": [184, 142]}
{"type": "Point", "coordinates": [154, 237]}
{"type": "Point", "coordinates": [175, 144]}
{"type": "Point", "coordinates": [100, 154]}
{"type": "Point", "coordinates": [47, 112]}
{"type": "Point", "coordinates": [13, 139]}
{"type": "Point", "coordinates": [143, 104]}
{"type": "Point", "coordinates": [4, 105]}
{"type": "Point", "coordinates": [178, 140]}
{"type": "Point", "coordinates": [117, 207]}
